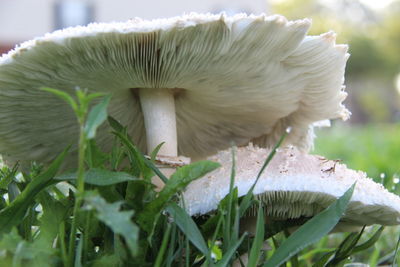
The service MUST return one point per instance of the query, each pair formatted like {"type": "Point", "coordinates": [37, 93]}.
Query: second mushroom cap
{"type": "Point", "coordinates": [294, 185]}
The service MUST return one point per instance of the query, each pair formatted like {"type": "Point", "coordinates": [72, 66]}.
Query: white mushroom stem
{"type": "Point", "coordinates": [158, 107]}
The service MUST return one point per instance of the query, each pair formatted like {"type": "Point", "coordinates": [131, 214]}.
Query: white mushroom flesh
{"type": "Point", "coordinates": [158, 107]}
{"type": "Point", "coordinates": [241, 78]}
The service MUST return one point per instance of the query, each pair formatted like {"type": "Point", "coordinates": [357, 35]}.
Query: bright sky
{"type": "Point", "coordinates": [376, 4]}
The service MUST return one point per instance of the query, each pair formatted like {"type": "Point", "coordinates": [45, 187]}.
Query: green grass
{"type": "Point", "coordinates": [107, 213]}
{"type": "Point", "coordinates": [374, 149]}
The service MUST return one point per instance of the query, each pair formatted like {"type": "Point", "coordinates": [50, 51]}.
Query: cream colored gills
{"type": "Point", "coordinates": [244, 78]}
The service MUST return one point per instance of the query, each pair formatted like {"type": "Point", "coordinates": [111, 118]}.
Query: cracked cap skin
{"type": "Point", "coordinates": [235, 79]}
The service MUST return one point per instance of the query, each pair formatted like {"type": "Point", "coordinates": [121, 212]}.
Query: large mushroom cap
{"type": "Point", "coordinates": [233, 79]}
{"type": "Point", "coordinates": [295, 185]}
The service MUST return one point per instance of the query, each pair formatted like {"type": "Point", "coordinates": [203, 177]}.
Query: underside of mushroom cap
{"type": "Point", "coordinates": [234, 79]}
{"type": "Point", "coordinates": [295, 185]}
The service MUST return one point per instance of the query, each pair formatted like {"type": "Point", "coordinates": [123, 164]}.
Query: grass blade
{"type": "Point", "coordinates": [78, 257]}
{"type": "Point", "coordinates": [258, 241]}
{"type": "Point", "coordinates": [370, 242]}
{"type": "Point", "coordinates": [324, 259]}
{"type": "Point", "coordinates": [164, 244]}
{"type": "Point", "coordinates": [188, 227]}
{"type": "Point", "coordinates": [115, 124]}
{"type": "Point", "coordinates": [311, 231]}
{"type": "Point", "coordinates": [247, 199]}
{"type": "Point", "coordinates": [230, 252]}
{"type": "Point", "coordinates": [228, 217]}
{"type": "Point", "coordinates": [395, 252]}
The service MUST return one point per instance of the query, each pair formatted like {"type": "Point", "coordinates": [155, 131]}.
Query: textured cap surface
{"type": "Point", "coordinates": [235, 79]}
{"type": "Point", "coordinates": [293, 185]}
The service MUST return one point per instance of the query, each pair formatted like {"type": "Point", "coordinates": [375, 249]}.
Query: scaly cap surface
{"type": "Point", "coordinates": [294, 185]}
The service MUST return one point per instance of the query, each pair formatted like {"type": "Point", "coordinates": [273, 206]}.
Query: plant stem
{"type": "Point", "coordinates": [80, 190]}
{"type": "Point", "coordinates": [164, 244]}
{"type": "Point", "coordinates": [81, 158]}
{"type": "Point", "coordinates": [61, 240]}
{"type": "Point", "coordinates": [86, 236]}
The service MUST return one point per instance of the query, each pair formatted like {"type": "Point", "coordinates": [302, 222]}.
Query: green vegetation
{"type": "Point", "coordinates": [373, 37]}
{"type": "Point", "coordinates": [371, 148]}
{"type": "Point", "coordinates": [108, 214]}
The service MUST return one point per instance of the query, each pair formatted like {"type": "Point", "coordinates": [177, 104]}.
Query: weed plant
{"type": "Point", "coordinates": [107, 212]}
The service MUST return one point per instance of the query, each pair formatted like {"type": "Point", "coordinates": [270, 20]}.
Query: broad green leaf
{"type": "Point", "coordinates": [311, 231]}
{"type": "Point", "coordinates": [119, 221]}
{"type": "Point", "coordinates": [230, 252]}
{"type": "Point", "coordinates": [99, 177]}
{"type": "Point", "coordinates": [178, 181]}
{"type": "Point", "coordinates": [63, 95]}
{"type": "Point", "coordinates": [96, 117]}
{"type": "Point", "coordinates": [258, 239]}
{"type": "Point", "coordinates": [14, 213]}
{"type": "Point", "coordinates": [188, 227]}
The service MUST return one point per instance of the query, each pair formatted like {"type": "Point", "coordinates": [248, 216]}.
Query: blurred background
{"type": "Point", "coordinates": [369, 141]}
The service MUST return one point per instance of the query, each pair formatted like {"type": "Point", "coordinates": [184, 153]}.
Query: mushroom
{"type": "Point", "coordinates": [196, 82]}
{"type": "Point", "coordinates": [295, 185]}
